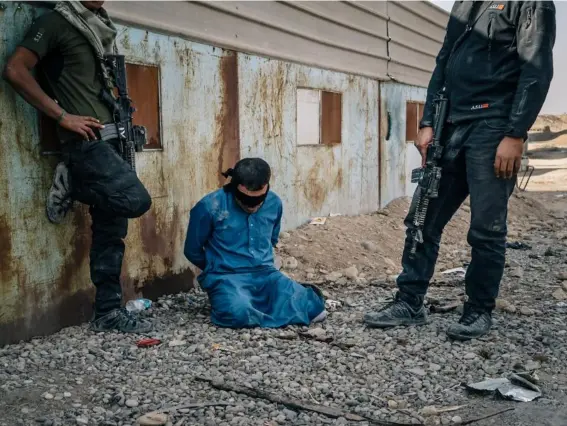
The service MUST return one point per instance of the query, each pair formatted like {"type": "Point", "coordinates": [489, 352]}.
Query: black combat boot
{"type": "Point", "coordinates": [397, 313]}
{"type": "Point", "coordinates": [473, 324]}
{"type": "Point", "coordinates": [121, 320]}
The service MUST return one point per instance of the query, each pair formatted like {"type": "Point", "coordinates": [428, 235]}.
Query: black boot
{"type": "Point", "coordinates": [473, 324]}
{"type": "Point", "coordinates": [121, 320]}
{"type": "Point", "coordinates": [397, 313]}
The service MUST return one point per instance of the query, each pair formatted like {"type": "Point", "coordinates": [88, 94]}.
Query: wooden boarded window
{"type": "Point", "coordinates": [143, 89]}
{"type": "Point", "coordinates": [414, 113]}
{"type": "Point", "coordinates": [319, 117]}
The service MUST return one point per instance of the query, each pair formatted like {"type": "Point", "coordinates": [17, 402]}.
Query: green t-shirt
{"type": "Point", "coordinates": [68, 68]}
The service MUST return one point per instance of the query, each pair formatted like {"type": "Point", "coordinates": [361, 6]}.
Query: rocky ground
{"type": "Point", "coordinates": [80, 378]}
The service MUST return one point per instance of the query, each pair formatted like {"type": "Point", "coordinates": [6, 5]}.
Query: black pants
{"type": "Point", "coordinates": [101, 179]}
{"type": "Point", "coordinates": [468, 169]}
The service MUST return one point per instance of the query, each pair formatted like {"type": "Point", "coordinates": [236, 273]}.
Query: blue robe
{"type": "Point", "coordinates": [234, 250]}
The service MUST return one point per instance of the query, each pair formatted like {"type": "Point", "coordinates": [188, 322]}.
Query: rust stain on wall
{"type": "Point", "coordinates": [156, 239]}
{"type": "Point", "coordinates": [70, 273]}
{"type": "Point", "coordinates": [64, 312]}
{"type": "Point", "coordinates": [271, 86]}
{"type": "Point", "coordinates": [228, 131]}
{"type": "Point", "coordinates": [6, 261]}
{"type": "Point", "coordinates": [70, 302]}
{"type": "Point", "coordinates": [323, 177]}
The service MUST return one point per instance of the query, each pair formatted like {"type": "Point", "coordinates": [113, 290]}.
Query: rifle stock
{"type": "Point", "coordinates": [428, 177]}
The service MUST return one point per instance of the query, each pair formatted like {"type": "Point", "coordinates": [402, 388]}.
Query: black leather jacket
{"type": "Point", "coordinates": [496, 61]}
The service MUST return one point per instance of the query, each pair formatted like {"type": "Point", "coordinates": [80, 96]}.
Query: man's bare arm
{"type": "Point", "coordinates": [17, 73]}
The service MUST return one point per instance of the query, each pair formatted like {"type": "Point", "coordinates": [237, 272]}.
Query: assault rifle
{"type": "Point", "coordinates": [132, 138]}
{"type": "Point", "coordinates": [428, 177]}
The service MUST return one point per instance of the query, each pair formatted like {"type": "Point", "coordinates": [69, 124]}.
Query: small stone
{"type": "Point", "coordinates": [370, 246]}
{"type": "Point", "coordinates": [392, 404]}
{"type": "Point", "coordinates": [533, 365]}
{"type": "Point", "coordinates": [351, 272]}
{"type": "Point", "coordinates": [390, 263]}
{"type": "Point", "coordinates": [434, 367]}
{"type": "Point", "coordinates": [284, 235]}
{"type": "Point", "coordinates": [470, 355]}
{"type": "Point", "coordinates": [559, 294]}
{"type": "Point", "coordinates": [291, 415]}
{"type": "Point", "coordinates": [333, 276]}
{"type": "Point", "coordinates": [175, 343]}
{"type": "Point", "coordinates": [429, 410]}
{"type": "Point", "coordinates": [564, 285]}
{"type": "Point", "coordinates": [418, 372]}
{"type": "Point", "coordinates": [131, 403]}
{"type": "Point", "coordinates": [81, 420]}
{"type": "Point", "coordinates": [511, 309]}
{"type": "Point", "coordinates": [67, 394]}
{"type": "Point", "coordinates": [457, 420]}
{"type": "Point", "coordinates": [290, 263]}
{"type": "Point", "coordinates": [153, 419]}
{"type": "Point", "coordinates": [517, 272]}
{"type": "Point", "coordinates": [278, 262]}
{"type": "Point", "coordinates": [526, 311]}
{"type": "Point", "coordinates": [505, 306]}
{"type": "Point", "coordinates": [47, 395]}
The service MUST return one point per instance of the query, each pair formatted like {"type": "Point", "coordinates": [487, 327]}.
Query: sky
{"type": "Point", "coordinates": [556, 101]}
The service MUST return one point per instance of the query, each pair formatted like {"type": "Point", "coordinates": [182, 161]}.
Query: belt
{"type": "Point", "coordinates": [109, 132]}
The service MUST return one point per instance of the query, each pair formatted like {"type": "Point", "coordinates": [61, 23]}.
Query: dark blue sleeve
{"type": "Point", "coordinates": [198, 232]}
{"type": "Point", "coordinates": [277, 226]}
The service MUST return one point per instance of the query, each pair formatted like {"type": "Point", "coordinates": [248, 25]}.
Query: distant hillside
{"type": "Point", "coordinates": [556, 123]}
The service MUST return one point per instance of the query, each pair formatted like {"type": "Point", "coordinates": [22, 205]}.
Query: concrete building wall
{"type": "Point", "coordinates": [399, 155]}
{"type": "Point", "coordinates": [314, 179]}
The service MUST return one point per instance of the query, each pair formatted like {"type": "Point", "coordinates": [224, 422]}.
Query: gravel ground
{"type": "Point", "coordinates": [76, 377]}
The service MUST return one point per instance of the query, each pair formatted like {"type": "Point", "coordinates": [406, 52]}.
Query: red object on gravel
{"type": "Point", "coordinates": [146, 343]}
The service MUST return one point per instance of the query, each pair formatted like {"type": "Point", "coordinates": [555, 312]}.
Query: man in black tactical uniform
{"type": "Point", "coordinates": [496, 65]}
{"type": "Point", "coordinates": [67, 45]}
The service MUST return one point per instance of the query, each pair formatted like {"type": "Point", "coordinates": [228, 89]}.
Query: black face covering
{"type": "Point", "coordinates": [248, 200]}
{"type": "Point", "coordinates": [245, 200]}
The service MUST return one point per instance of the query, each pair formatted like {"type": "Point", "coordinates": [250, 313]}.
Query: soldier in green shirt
{"type": "Point", "coordinates": [64, 47]}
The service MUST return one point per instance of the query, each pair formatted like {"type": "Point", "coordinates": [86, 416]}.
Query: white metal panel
{"type": "Point", "coordinates": [397, 157]}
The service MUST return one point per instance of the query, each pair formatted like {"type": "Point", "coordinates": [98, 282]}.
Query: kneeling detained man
{"type": "Point", "coordinates": [231, 235]}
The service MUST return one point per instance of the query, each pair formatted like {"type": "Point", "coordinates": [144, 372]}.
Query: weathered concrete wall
{"type": "Point", "coordinates": [398, 156]}
{"type": "Point", "coordinates": [44, 274]}
{"type": "Point", "coordinates": [319, 179]}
